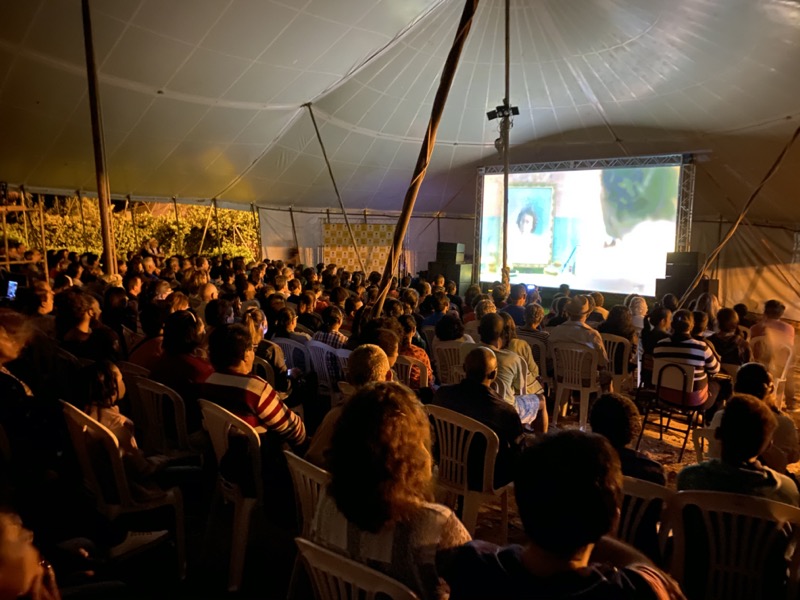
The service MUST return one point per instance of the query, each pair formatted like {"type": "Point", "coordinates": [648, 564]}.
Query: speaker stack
{"type": "Point", "coordinates": [450, 263]}
{"type": "Point", "coordinates": [682, 268]}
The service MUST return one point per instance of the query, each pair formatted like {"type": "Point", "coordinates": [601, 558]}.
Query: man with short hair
{"type": "Point", "coordinates": [599, 314]}
{"type": "Point", "coordinates": [305, 312]}
{"type": "Point", "coordinates": [474, 398]}
{"type": "Point", "coordinates": [569, 491]}
{"type": "Point", "coordinates": [516, 304]}
{"type": "Point", "coordinates": [744, 433]}
{"type": "Point", "coordinates": [576, 331]}
{"type": "Point", "coordinates": [440, 304]}
{"type": "Point", "coordinates": [499, 295]}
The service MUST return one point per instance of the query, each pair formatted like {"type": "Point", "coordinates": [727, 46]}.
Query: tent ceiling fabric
{"type": "Point", "coordinates": [203, 98]}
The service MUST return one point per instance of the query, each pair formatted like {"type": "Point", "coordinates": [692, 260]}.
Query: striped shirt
{"type": "Point", "coordinates": [254, 401]}
{"type": "Point", "coordinates": [334, 339]}
{"type": "Point", "coordinates": [688, 351]}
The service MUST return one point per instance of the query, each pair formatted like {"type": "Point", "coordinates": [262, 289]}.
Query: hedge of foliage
{"type": "Point", "coordinates": [75, 224]}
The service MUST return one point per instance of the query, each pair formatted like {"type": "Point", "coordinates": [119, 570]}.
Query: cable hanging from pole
{"type": "Point", "coordinates": [335, 188]}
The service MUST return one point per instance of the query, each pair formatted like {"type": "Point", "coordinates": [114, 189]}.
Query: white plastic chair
{"type": "Point", "coordinates": [129, 369]}
{"type": "Point", "coordinates": [106, 481]}
{"type": "Point", "coordinates": [131, 337]}
{"type": "Point", "coordinates": [454, 436]}
{"type": "Point", "coordinates": [575, 369]}
{"type": "Point", "coordinates": [777, 357]}
{"type": "Point", "coordinates": [614, 344]}
{"type": "Point", "coordinates": [264, 370]}
{"type": "Point", "coordinates": [342, 359]}
{"type": "Point", "coordinates": [148, 407]}
{"type": "Point", "coordinates": [219, 423]}
{"type": "Point", "coordinates": [293, 350]}
{"type": "Point", "coordinates": [447, 356]}
{"type": "Point", "coordinates": [336, 577]}
{"type": "Point", "coordinates": [540, 354]}
{"type": "Point", "coordinates": [429, 331]}
{"type": "Point", "coordinates": [740, 536]}
{"type": "Point", "coordinates": [320, 360]}
{"type": "Point", "coordinates": [403, 367]}
{"type": "Point", "coordinates": [702, 438]}
{"type": "Point", "coordinates": [641, 516]}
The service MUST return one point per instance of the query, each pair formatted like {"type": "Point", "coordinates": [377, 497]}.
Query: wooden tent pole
{"type": "Point", "coordinates": [103, 187]}
{"type": "Point", "coordinates": [177, 224]}
{"type": "Point", "coordinates": [505, 126]}
{"type": "Point", "coordinates": [428, 143]}
{"type": "Point", "coordinates": [257, 225]}
{"type": "Point", "coordinates": [216, 224]}
{"type": "Point", "coordinates": [133, 223]}
{"type": "Point", "coordinates": [205, 229]}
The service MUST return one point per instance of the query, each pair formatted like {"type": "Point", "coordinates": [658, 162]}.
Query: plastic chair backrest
{"type": "Point", "coordinates": [464, 349]}
{"type": "Point", "coordinates": [264, 370]}
{"type": "Point", "coordinates": [132, 339]}
{"type": "Point", "coordinates": [343, 358]}
{"type": "Point", "coordinates": [574, 366]}
{"type": "Point", "coordinates": [129, 369]}
{"type": "Point", "coordinates": [319, 359]}
{"type": "Point", "coordinates": [147, 405]}
{"type": "Point", "coordinates": [739, 538]}
{"type": "Point", "coordinates": [454, 435]}
{"type": "Point", "coordinates": [292, 351]}
{"type": "Point", "coordinates": [98, 455]}
{"type": "Point", "coordinates": [336, 577]}
{"type": "Point", "coordinates": [642, 511]}
{"type": "Point", "coordinates": [429, 331]}
{"type": "Point", "coordinates": [777, 357]}
{"type": "Point", "coordinates": [447, 355]}
{"type": "Point", "coordinates": [403, 367]}
{"type": "Point", "coordinates": [538, 348]}
{"type": "Point", "coordinates": [309, 482]}
{"type": "Point", "coordinates": [219, 423]}
{"type": "Point", "coordinates": [615, 344]}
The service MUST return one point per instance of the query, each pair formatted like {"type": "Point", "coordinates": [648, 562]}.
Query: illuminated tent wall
{"type": "Point", "coordinates": [203, 98]}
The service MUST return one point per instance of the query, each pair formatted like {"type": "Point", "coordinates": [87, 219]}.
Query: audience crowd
{"type": "Point", "coordinates": [218, 329]}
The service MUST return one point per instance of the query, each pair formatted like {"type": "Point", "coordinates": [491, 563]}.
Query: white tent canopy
{"type": "Point", "coordinates": [204, 98]}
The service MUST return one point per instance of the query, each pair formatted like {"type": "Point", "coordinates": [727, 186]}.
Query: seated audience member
{"type": "Point", "coordinates": [620, 323]}
{"type": "Point", "coordinates": [80, 330]}
{"type": "Point", "coordinates": [557, 314]}
{"type": "Point", "coordinates": [638, 306]}
{"type": "Point", "coordinates": [286, 324]}
{"type": "Point", "coordinates": [599, 314]}
{"type": "Point", "coordinates": [474, 398]}
{"type": "Point", "coordinates": [659, 322]}
{"type": "Point", "coordinates": [777, 333]}
{"type": "Point", "coordinates": [178, 301]}
{"type": "Point", "coordinates": [181, 367]}
{"type": "Point", "coordinates": [744, 433]}
{"type": "Point", "coordinates": [306, 317]}
{"type": "Point", "coordinates": [36, 302]}
{"type": "Point", "coordinates": [616, 418]}
{"type": "Point", "coordinates": [744, 315]}
{"type": "Point", "coordinates": [23, 573]}
{"type": "Point", "coordinates": [449, 329]}
{"type": "Point", "coordinates": [482, 308]}
{"type": "Point", "coordinates": [569, 492]}
{"type": "Point", "coordinates": [516, 304]}
{"type": "Point", "coordinates": [233, 386]}
{"type": "Point", "coordinates": [439, 303]}
{"type": "Point", "coordinates": [499, 294]}
{"type": "Point", "coordinates": [700, 330]}
{"type": "Point", "coordinates": [682, 348]}
{"type": "Point", "coordinates": [217, 312]}
{"type": "Point", "coordinates": [534, 315]}
{"type": "Point", "coordinates": [147, 353]}
{"type": "Point", "coordinates": [329, 334]}
{"type": "Point", "coordinates": [451, 289]}
{"type": "Point", "coordinates": [709, 304]}
{"type": "Point", "coordinates": [754, 379]}
{"type": "Point", "coordinates": [407, 348]}
{"type": "Point", "coordinates": [381, 492]}
{"type": "Point", "coordinates": [576, 331]}
{"type": "Point", "coordinates": [368, 364]}
{"type": "Point", "coordinates": [729, 343]}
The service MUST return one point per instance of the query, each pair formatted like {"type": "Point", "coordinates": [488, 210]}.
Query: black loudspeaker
{"type": "Point", "coordinates": [679, 285]}
{"type": "Point", "coordinates": [683, 264]}
{"type": "Point", "coordinates": [461, 274]}
{"type": "Point", "coordinates": [449, 252]}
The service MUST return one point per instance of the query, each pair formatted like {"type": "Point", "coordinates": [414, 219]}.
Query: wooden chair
{"type": "Point", "coordinates": [150, 402]}
{"type": "Point", "coordinates": [264, 370]}
{"type": "Point", "coordinates": [336, 577]}
{"type": "Point", "coordinates": [219, 423]}
{"type": "Point", "coordinates": [320, 361]}
{"type": "Point", "coordinates": [671, 376]}
{"type": "Point", "coordinates": [403, 368]}
{"type": "Point", "coordinates": [703, 440]}
{"type": "Point", "coordinates": [295, 354]}
{"type": "Point", "coordinates": [734, 546]}
{"type": "Point", "coordinates": [447, 356]}
{"type": "Point", "coordinates": [97, 450]}
{"type": "Point", "coordinates": [575, 369]}
{"type": "Point", "coordinates": [309, 484]}
{"type": "Point", "coordinates": [619, 351]}
{"type": "Point", "coordinates": [641, 515]}
{"type": "Point", "coordinates": [455, 434]}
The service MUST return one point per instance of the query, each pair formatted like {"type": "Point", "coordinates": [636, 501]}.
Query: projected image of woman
{"type": "Point", "coordinates": [525, 246]}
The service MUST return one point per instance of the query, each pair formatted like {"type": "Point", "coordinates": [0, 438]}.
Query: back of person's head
{"type": "Point", "coordinates": [620, 320]}
{"type": "Point", "coordinates": [746, 429]}
{"type": "Point", "coordinates": [227, 346]}
{"type": "Point", "coordinates": [518, 292]}
{"type": "Point", "coordinates": [682, 321]}
{"type": "Point", "coordinates": [774, 309]}
{"type": "Point", "coordinates": [440, 302]}
{"type": "Point", "coordinates": [480, 364]}
{"type": "Point", "coordinates": [285, 317]}
{"type": "Point", "coordinates": [568, 490]}
{"type": "Point", "coordinates": [307, 302]}
{"type": "Point", "coordinates": [386, 339]}
{"type": "Point", "coordinates": [368, 363]}
{"type": "Point", "coordinates": [509, 328]}
{"type": "Point", "coordinates": [97, 384]}
{"type": "Point", "coordinates": [616, 418]}
{"type": "Point", "coordinates": [534, 314]}
{"type": "Point", "coordinates": [741, 310]}
{"type": "Point", "coordinates": [449, 328]}
{"type": "Point", "coordinates": [700, 322]}
{"type": "Point", "coordinates": [218, 312]}
{"type": "Point", "coordinates": [331, 316]}
{"type": "Point", "coordinates": [280, 282]}
{"type": "Point", "coordinates": [181, 333]}
{"type": "Point", "coordinates": [499, 293]}
{"type": "Point", "coordinates": [255, 321]}
{"type": "Point", "coordinates": [728, 320]}
{"type": "Point", "coordinates": [483, 308]}
{"type": "Point", "coordinates": [379, 459]}
{"type": "Point", "coordinates": [658, 314]}
{"type": "Point", "coordinates": [599, 299]}
{"type": "Point", "coordinates": [754, 379]}
{"type": "Point", "coordinates": [391, 308]}
{"type": "Point", "coordinates": [408, 323]}
{"type": "Point", "coordinates": [491, 328]}
{"type": "Point", "coordinates": [15, 331]}
{"type": "Point", "coordinates": [71, 307]}
{"type": "Point", "coordinates": [670, 302]}
{"type": "Point", "coordinates": [339, 295]}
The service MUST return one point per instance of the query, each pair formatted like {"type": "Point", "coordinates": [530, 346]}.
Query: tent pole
{"type": "Point", "coordinates": [103, 186]}
{"type": "Point", "coordinates": [133, 223]}
{"type": "Point", "coordinates": [428, 143]}
{"type": "Point", "coordinates": [83, 219]}
{"type": "Point", "coordinates": [257, 225]}
{"type": "Point", "coordinates": [177, 223]}
{"type": "Point", "coordinates": [216, 224]}
{"type": "Point", "coordinates": [205, 230]}
{"type": "Point", "coordinates": [505, 125]}
{"type": "Point", "coordinates": [335, 187]}
{"type": "Point", "coordinates": [294, 231]}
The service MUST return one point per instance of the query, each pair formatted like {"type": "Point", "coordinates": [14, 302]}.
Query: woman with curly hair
{"type": "Point", "coordinates": [379, 505]}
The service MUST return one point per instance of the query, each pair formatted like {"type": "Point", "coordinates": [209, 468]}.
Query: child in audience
{"type": "Point", "coordinates": [728, 342]}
